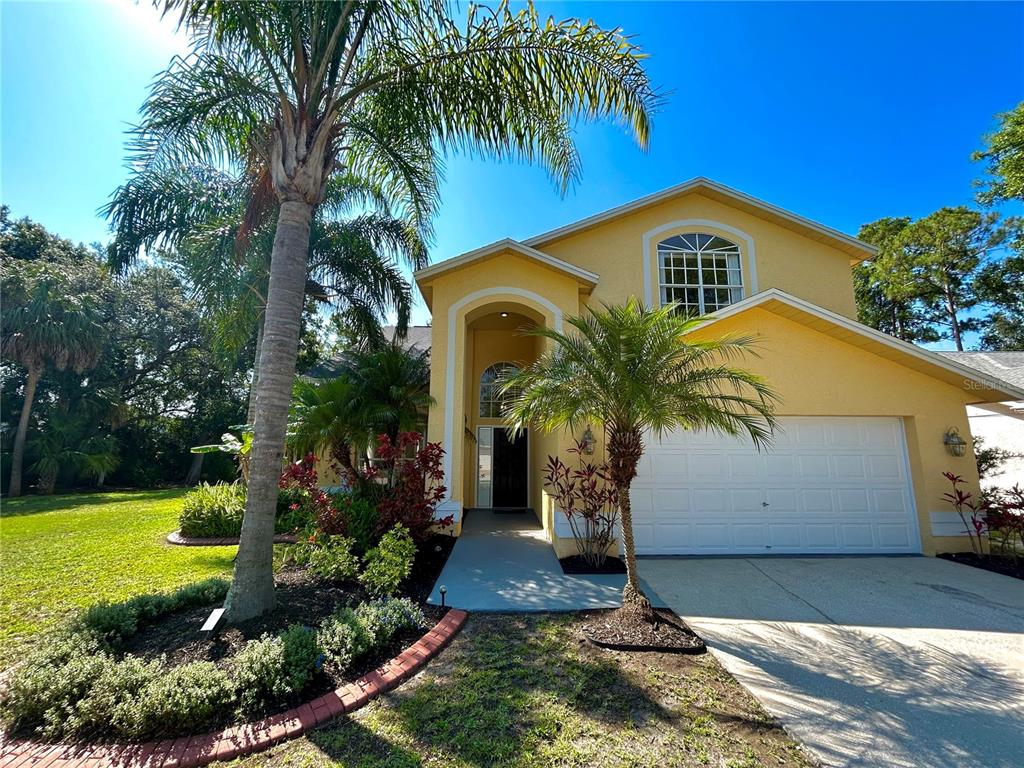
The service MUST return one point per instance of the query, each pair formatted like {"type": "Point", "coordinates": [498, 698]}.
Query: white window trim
{"type": "Point", "coordinates": [664, 254]}
{"type": "Point", "coordinates": [748, 271]}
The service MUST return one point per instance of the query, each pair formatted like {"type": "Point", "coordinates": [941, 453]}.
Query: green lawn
{"type": "Point", "coordinates": [524, 690]}
{"type": "Point", "coordinates": [61, 553]}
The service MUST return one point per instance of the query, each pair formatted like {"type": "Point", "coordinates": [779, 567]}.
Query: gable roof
{"type": "Point", "coordinates": [986, 389]}
{"type": "Point", "coordinates": [858, 250]}
{"type": "Point", "coordinates": [584, 276]}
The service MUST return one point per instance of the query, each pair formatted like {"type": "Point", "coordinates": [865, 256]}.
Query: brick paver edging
{"type": "Point", "coordinates": [191, 751]}
{"type": "Point", "coordinates": [227, 541]}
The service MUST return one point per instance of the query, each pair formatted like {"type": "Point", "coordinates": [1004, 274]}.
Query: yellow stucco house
{"type": "Point", "coordinates": [857, 466]}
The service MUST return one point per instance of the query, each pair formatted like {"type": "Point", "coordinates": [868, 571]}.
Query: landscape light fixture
{"type": "Point", "coordinates": [444, 591]}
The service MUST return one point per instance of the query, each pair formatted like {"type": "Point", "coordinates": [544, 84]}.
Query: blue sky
{"type": "Point", "coordinates": [842, 112]}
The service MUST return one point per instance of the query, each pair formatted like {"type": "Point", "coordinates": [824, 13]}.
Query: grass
{"type": "Point", "coordinates": [525, 691]}
{"type": "Point", "coordinates": [62, 553]}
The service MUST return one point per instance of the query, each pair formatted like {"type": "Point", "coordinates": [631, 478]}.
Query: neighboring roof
{"type": "Point", "coordinates": [858, 250]}
{"type": "Point", "coordinates": [417, 337]}
{"type": "Point", "coordinates": [1006, 366]}
{"type": "Point", "coordinates": [986, 389]}
{"type": "Point", "coordinates": [584, 276]}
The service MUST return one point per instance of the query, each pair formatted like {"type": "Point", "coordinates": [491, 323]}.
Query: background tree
{"type": "Point", "coordinates": [936, 261]}
{"type": "Point", "coordinates": [632, 370]}
{"type": "Point", "coordinates": [314, 89]}
{"type": "Point", "coordinates": [1000, 284]}
{"type": "Point", "coordinates": [882, 302]}
{"type": "Point", "coordinates": [1003, 156]}
{"type": "Point", "coordinates": [51, 317]}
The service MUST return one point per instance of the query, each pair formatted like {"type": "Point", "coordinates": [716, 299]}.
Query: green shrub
{"type": "Point", "coordinates": [182, 699]}
{"type": "Point", "coordinates": [216, 511]}
{"type": "Point", "coordinates": [328, 556]}
{"type": "Point", "coordinates": [42, 693]}
{"type": "Point", "coordinates": [114, 697]}
{"type": "Point", "coordinates": [389, 563]}
{"type": "Point", "coordinates": [383, 619]}
{"type": "Point", "coordinates": [213, 510]}
{"type": "Point", "coordinates": [343, 638]}
{"type": "Point", "coordinates": [360, 520]}
{"type": "Point", "coordinates": [113, 622]}
{"type": "Point", "coordinates": [271, 668]}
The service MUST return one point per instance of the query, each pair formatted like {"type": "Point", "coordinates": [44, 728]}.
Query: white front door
{"type": "Point", "coordinates": [826, 485]}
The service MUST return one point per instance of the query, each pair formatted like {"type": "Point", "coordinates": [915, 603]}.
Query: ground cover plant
{"type": "Point", "coordinates": [64, 553]}
{"type": "Point", "coordinates": [524, 690]}
{"type": "Point", "coordinates": [80, 684]}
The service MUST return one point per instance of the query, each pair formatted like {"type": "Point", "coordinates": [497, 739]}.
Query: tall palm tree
{"type": "Point", "coordinates": [632, 370]}
{"type": "Point", "coordinates": [315, 89]}
{"type": "Point", "coordinates": [50, 318]}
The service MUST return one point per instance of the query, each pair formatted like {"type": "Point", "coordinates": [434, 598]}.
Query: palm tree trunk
{"type": "Point", "coordinates": [252, 588]}
{"type": "Point", "coordinates": [18, 451]}
{"type": "Point", "coordinates": [625, 447]}
{"type": "Point", "coordinates": [250, 417]}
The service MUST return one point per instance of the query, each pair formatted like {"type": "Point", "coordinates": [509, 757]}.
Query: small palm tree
{"type": "Point", "coordinates": [323, 420]}
{"type": "Point", "coordinates": [50, 318]}
{"type": "Point", "coordinates": [390, 388]}
{"type": "Point", "coordinates": [632, 370]}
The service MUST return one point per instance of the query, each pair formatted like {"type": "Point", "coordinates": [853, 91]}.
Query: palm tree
{"type": "Point", "coordinates": [216, 228]}
{"type": "Point", "coordinates": [315, 89]}
{"type": "Point", "coordinates": [50, 318]}
{"type": "Point", "coordinates": [323, 420]}
{"type": "Point", "coordinates": [632, 370]}
{"type": "Point", "coordinates": [379, 390]}
{"type": "Point", "coordinates": [390, 388]}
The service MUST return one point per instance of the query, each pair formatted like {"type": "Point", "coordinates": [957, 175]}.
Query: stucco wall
{"type": "Point", "coordinates": [782, 258]}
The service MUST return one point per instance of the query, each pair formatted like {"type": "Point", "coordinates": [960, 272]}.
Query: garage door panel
{"type": "Point", "coordinates": [827, 484]}
{"type": "Point", "coordinates": [896, 536]}
{"type": "Point", "coordinates": [814, 466]}
{"type": "Point", "coordinates": [849, 466]}
{"type": "Point", "coordinates": [857, 536]}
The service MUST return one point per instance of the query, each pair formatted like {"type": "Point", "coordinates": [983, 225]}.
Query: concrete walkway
{"type": "Point", "coordinates": [502, 562]}
{"type": "Point", "coordinates": [900, 661]}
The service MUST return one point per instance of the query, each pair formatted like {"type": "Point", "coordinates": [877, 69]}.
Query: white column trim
{"type": "Point", "coordinates": [749, 278]}
{"type": "Point", "coordinates": [449, 370]}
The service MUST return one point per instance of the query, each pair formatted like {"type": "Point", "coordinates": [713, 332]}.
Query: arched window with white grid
{"type": "Point", "coordinates": [700, 272]}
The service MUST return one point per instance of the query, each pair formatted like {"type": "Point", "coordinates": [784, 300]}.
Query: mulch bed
{"type": "Point", "coordinates": [996, 564]}
{"type": "Point", "coordinates": [576, 565]}
{"type": "Point", "coordinates": [667, 634]}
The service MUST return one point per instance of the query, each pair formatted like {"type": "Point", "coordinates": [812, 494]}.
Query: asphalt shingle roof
{"type": "Point", "coordinates": [1005, 366]}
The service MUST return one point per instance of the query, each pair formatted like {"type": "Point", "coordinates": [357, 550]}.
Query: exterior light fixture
{"type": "Point", "coordinates": [955, 444]}
{"type": "Point", "coordinates": [444, 591]}
{"type": "Point", "coordinates": [588, 441]}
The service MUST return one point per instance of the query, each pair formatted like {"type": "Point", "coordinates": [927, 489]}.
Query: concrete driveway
{"type": "Point", "coordinates": [875, 661]}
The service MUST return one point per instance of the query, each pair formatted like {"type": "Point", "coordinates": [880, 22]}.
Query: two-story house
{"type": "Point", "coordinates": [866, 419]}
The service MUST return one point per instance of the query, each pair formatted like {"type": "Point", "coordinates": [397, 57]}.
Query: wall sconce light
{"type": "Point", "coordinates": [955, 444]}
{"type": "Point", "coordinates": [588, 441]}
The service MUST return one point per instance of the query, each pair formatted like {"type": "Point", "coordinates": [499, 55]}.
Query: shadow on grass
{"type": "Point", "coordinates": [513, 686]}
{"type": "Point", "coordinates": [33, 505]}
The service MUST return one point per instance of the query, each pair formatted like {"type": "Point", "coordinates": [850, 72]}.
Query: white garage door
{"type": "Point", "coordinates": [826, 485]}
